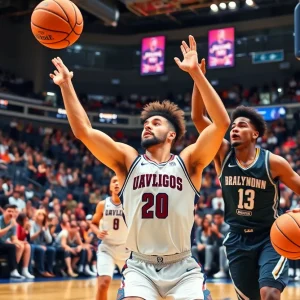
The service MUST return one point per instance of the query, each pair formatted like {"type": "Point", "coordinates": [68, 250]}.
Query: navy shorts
{"type": "Point", "coordinates": [253, 264]}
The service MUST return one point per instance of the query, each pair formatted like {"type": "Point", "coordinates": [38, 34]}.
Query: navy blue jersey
{"type": "Point", "coordinates": [250, 194]}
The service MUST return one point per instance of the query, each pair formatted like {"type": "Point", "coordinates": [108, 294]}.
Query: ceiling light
{"type": "Point", "coordinates": [250, 2]}
{"type": "Point", "coordinates": [214, 8]}
{"type": "Point", "coordinates": [232, 5]}
{"type": "Point", "coordinates": [222, 5]}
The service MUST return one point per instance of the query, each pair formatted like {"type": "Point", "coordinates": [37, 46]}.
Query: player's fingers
{"type": "Point", "coordinates": [178, 62]}
{"type": "Point", "coordinates": [51, 75]}
{"type": "Point", "coordinates": [60, 61]}
{"type": "Point", "coordinates": [186, 47]}
{"type": "Point", "coordinates": [72, 74]}
{"type": "Point", "coordinates": [56, 72]}
{"type": "Point", "coordinates": [182, 50]}
{"type": "Point", "coordinates": [192, 42]}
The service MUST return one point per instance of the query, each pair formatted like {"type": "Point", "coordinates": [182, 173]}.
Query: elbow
{"type": "Point", "coordinates": [224, 124]}
{"type": "Point", "coordinates": [81, 133]}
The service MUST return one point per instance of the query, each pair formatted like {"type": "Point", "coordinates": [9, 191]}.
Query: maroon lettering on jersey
{"type": "Point", "coordinates": [157, 180]}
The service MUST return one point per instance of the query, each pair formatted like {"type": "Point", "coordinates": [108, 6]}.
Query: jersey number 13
{"type": "Point", "coordinates": [246, 199]}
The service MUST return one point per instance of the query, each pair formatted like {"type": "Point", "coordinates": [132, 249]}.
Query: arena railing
{"type": "Point", "coordinates": [35, 110]}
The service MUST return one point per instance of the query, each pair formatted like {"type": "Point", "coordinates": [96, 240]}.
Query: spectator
{"type": "Point", "coordinates": [40, 239]}
{"type": "Point", "coordinates": [11, 246]}
{"type": "Point", "coordinates": [218, 201]}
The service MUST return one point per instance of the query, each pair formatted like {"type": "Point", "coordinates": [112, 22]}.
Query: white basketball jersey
{"type": "Point", "coordinates": [113, 222]}
{"type": "Point", "coordinates": [158, 202]}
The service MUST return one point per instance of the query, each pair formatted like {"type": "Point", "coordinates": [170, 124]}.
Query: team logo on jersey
{"type": "Point", "coordinates": [248, 230]}
{"type": "Point", "coordinates": [244, 213]}
{"type": "Point", "coordinates": [160, 259]}
{"type": "Point", "coordinates": [172, 163]}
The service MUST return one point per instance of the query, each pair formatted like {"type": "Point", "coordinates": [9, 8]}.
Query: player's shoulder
{"type": "Point", "coordinates": [276, 160]}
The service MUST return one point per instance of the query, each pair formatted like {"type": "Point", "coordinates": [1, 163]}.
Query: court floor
{"type": "Point", "coordinates": [86, 289]}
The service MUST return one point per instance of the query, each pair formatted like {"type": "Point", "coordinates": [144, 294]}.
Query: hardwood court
{"type": "Point", "coordinates": [86, 289]}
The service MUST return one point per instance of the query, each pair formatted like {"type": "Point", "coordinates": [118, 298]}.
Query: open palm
{"type": "Point", "coordinates": [62, 73]}
{"type": "Point", "coordinates": [190, 56]}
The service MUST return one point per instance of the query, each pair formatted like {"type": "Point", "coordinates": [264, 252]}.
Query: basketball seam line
{"type": "Point", "coordinates": [294, 220]}
{"type": "Point", "coordinates": [286, 236]}
{"type": "Point", "coordinates": [76, 15]}
{"type": "Point", "coordinates": [49, 29]}
{"type": "Point", "coordinates": [76, 18]}
{"type": "Point", "coordinates": [53, 13]}
{"type": "Point", "coordinates": [63, 11]}
{"type": "Point", "coordinates": [55, 31]}
{"type": "Point", "coordinates": [284, 249]}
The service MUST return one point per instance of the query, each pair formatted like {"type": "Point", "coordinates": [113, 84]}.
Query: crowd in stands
{"type": "Point", "coordinates": [51, 184]}
{"type": "Point", "coordinates": [266, 94]}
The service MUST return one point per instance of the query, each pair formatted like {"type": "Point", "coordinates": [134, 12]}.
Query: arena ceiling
{"type": "Point", "coordinates": [143, 16]}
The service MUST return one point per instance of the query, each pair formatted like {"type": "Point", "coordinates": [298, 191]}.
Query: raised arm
{"type": "Point", "coordinates": [115, 155]}
{"type": "Point", "coordinates": [201, 121]}
{"type": "Point", "coordinates": [207, 145]}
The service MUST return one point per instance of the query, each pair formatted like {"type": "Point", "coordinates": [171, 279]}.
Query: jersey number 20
{"type": "Point", "coordinates": [160, 203]}
{"type": "Point", "coordinates": [246, 199]}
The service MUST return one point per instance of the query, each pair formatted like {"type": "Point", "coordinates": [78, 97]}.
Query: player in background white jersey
{"type": "Point", "coordinates": [109, 226]}
{"type": "Point", "coordinates": [166, 269]}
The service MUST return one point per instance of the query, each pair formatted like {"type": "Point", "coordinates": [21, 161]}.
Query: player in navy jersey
{"type": "Point", "coordinates": [158, 189]}
{"type": "Point", "coordinates": [249, 177]}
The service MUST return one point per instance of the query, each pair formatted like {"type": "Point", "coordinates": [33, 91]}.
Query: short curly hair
{"type": "Point", "coordinates": [255, 118]}
{"type": "Point", "coordinates": [169, 111]}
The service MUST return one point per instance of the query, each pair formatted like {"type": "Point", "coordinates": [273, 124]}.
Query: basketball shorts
{"type": "Point", "coordinates": [174, 277]}
{"type": "Point", "coordinates": [253, 264]}
{"type": "Point", "coordinates": [108, 256]}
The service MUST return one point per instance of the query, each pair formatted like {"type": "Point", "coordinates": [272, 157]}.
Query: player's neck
{"type": "Point", "coordinates": [159, 154]}
{"type": "Point", "coordinates": [246, 155]}
{"type": "Point", "coordinates": [115, 199]}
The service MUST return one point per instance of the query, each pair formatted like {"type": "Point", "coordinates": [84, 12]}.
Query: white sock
{"type": "Point", "coordinates": [94, 268]}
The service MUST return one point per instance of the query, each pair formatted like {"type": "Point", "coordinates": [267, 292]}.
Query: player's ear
{"type": "Point", "coordinates": [172, 135]}
{"type": "Point", "coordinates": [255, 135]}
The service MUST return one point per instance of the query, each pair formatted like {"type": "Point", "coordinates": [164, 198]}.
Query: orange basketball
{"type": "Point", "coordinates": [285, 233]}
{"type": "Point", "coordinates": [57, 24]}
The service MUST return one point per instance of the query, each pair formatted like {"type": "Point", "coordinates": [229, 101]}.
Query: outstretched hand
{"type": "Point", "coordinates": [190, 56]}
{"type": "Point", "coordinates": [202, 66]}
{"type": "Point", "coordinates": [62, 73]}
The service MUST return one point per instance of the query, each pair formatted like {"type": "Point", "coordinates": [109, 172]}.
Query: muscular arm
{"type": "Point", "coordinates": [103, 147]}
{"type": "Point", "coordinates": [282, 170]}
{"type": "Point", "coordinates": [97, 217]}
{"type": "Point", "coordinates": [201, 121]}
{"type": "Point", "coordinates": [206, 147]}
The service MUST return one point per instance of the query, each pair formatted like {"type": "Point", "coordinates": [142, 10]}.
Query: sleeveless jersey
{"type": "Point", "coordinates": [158, 202]}
{"type": "Point", "coordinates": [113, 222]}
{"type": "Point", "coordinates": [251, 196]}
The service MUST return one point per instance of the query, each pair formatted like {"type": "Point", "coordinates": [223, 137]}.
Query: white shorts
{"type": "Point", "coordinates": [108, 256]}
{"type": "Point", "coordinates": [180, 280]}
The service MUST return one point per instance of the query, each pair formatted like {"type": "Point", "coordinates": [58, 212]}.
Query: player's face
{"type": "Point", "coordinates": [221, 35]}
{"type": "Point", "coordinates": [114, 186]}
{"type": "Point", "coordinates": [242, 132]}
{"type": "Point", "coordinates": [156, 131]}
{"type": "Point", "coordinates": [153, 45]}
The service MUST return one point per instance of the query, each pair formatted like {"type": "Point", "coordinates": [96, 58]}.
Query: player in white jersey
{"type": "Point", "coordinates": [109, 226]}
{"type": "Point", "coordinates": [158, 189]}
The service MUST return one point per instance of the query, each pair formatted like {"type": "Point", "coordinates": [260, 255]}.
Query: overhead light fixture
{"type": "Point", "coordinates": [214, 7]}
{"type": "Point", "coordinates": [97, 53]}
{"type": "Point", "coordinates": [232, 5]}
{"type": "Point", "coordinates": [250, 2]}
{"type": "Point", "coordinates": [222, 5]}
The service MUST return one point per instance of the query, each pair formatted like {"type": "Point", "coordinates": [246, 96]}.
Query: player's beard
{"type": "Point", "coordinates": [149, 142]}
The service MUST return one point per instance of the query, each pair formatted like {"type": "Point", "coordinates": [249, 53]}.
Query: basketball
{"type": "Point", "coordinates": [57, 24]}
{"type": "Point", "coordinates": [285, 234]}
